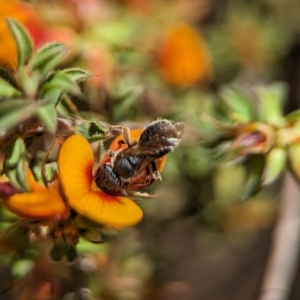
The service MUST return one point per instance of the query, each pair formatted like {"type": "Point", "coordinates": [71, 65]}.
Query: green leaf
{"type": "Point", "coordinates": [8, 76]}
{"type": "Point", "coordinates": [47, 114]}
{"type": "Point", "coordinates": [13, 177]}
{"type": "Point", "coordinates": [48, 57]}
{"type": "Point", "coordinates": [255, 166]}
{"type": "Point", "coordinates": [293, 116]}
{"type": "Point", "coordinates": [237, 103]}
{"type": "Point", "coordinates": [21, 173]}
{"type": "Point", "coordinates": [23, 41]}
{"type": "Point", "coordinates": [93, 131]}
{"type": "Point", "coordinates": [77, 74]}
{"type": "Point", "coordinates": [61, 81]}
{"type": "Point", "coordinates": [275, 164]}
{"type": "Point", "coordinates": [15, 164]}
{"type": "Point", "coordinates": [53, 96]}
{"type": "Point", "coordinates": [70, 76]}
{"type": "Point", "coordinates": [14, 112]}
{"type": "Point", "coordinates": [293, 120]}
{"type": "Point", "coordinates": [271, 103]}
{"type": "Point", "coordinates": [30, 83]}
{"type": "Point", "coordinates": [62, 111]}
{"type": "Point", "coordinates": [7, 90]}
{"type": "Point", "coordinates": [13, 153]}
{"type": "Point", "coordinates": [294, 159]}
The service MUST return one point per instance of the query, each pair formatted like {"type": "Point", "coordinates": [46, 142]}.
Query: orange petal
{"type": "Point", "coordinates": [33, 184]}
{"type": "Point", "coordinates": [46, 203]}
{"type": "Point", "coordinates": [75, 164]}
{"type": "Point", "coordinates": [108, 210]}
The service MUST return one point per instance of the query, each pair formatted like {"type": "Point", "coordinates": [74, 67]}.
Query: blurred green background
{"type": "Point", "coordinates": [160, 58]}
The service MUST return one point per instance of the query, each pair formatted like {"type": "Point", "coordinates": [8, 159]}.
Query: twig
{"type": "Point", "coordinates": [283, 261]}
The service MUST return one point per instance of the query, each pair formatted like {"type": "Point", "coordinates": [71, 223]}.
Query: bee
{"type": "Point", "coordinates": [137, 160]}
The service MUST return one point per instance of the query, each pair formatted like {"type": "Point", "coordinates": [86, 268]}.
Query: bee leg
{"type": "Point", "coordinates": [148, 177]}
{"type": "Point", "coordinates": [127, 136]}
{"type": "Point", "coordinates": [112, 155]}
{"type": "Point", "coordinates": [156, 175]}
{"type": "Point", "coordinates": [126, 132]}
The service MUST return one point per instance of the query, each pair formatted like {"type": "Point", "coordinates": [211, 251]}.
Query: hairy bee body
{"type": "Point", "coordinates": [136, 163]}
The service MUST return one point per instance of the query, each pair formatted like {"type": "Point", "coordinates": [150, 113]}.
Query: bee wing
{"type": "Point", "coordinates": [146, 161]}
{"type": "Point", "coordinates": [132, 161]}
{"type": "Point", "coordinates": [162, 135]}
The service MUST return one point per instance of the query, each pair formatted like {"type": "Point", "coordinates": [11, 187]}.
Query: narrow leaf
{"type": "Point", "coordinates": [53, 96]}
{"type": "Point", "coordinates": [21, 173]}
{"type": "Point", "coordinates": [48, 57]}
{"type": "Point", "coordinates": [77, 74]}
{"type": "Point", "coordinates": [7, 90]}
{"type": "Point", "coordinates": [271, 103]}
{"type": "Point", "coordinates": [13, 114]}
{"type": "Point", "coordinates": [8, 76]}
{"type": "Point", "coordinates": [255, 167]}
{"type": "Point", "coordinates": [23, 41]}
{"type": "Point", "coordinates": [13, 153]}
{"type": "Point", "coordinates": [238, 104]}
{"type": "Point", "coordinates": [294, 159]}
{"type": "Point", "coordinates": [13, 177]}
{"type": "Point", "coordinates": [275, 164]}
{"type": "Point", "coordinates": [93, 131]}
{"type": "Point", "coordinates": [47, 114]}
{"type": "Point", "coordinates": [14, 164]}
{"type": "Point", "coordinates": [61, 81]}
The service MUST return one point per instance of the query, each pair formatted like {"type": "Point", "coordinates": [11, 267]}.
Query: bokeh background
{"type": "Point", "coordinates": [168, 59]}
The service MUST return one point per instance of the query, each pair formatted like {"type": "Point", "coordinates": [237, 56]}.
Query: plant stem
{"type": "Point", "coordinates": [283, 261]}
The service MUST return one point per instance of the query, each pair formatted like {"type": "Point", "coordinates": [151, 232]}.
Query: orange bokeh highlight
{"type": "Point", "coordinates": [27, 15]}
{"type": "Point", "coordinates": [183, 56]}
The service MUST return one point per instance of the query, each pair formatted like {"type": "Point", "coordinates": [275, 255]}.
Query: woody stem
{"type": "Point", "coordinates": [283, 261]}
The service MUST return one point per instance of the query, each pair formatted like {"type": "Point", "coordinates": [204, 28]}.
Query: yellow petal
{"type": "Point", "coordinates": [46, 203]}
{"type": "Point", "coordinates": [75, 164]}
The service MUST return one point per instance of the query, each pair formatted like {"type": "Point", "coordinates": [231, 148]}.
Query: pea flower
{"type": "Point", "coordinates": [75, 164]}
{"type": "Point", "coordinates": [40, 202]}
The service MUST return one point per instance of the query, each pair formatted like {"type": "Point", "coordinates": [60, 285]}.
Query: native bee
{"type": "Point", "coordinates": [135, 163]}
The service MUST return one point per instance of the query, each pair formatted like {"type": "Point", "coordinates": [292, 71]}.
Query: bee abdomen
{"type": "Point", "coordinates": [127, 166]}
{"type": "Point", "coordinates": [109, 181]}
